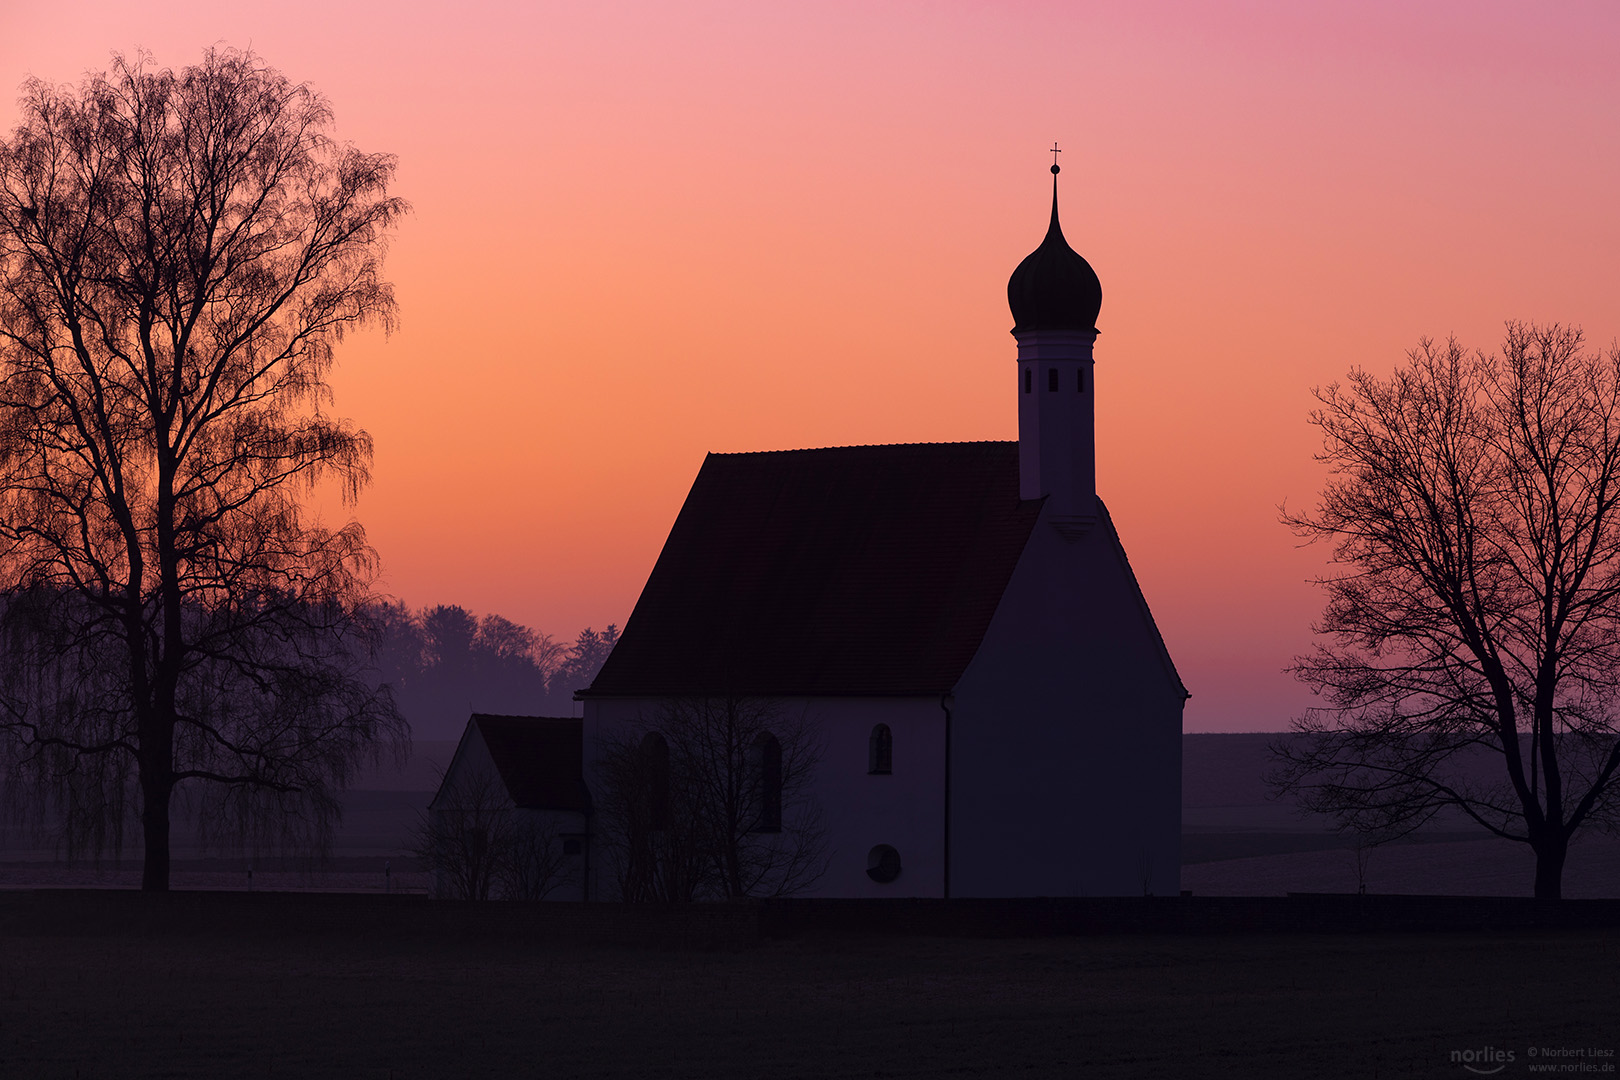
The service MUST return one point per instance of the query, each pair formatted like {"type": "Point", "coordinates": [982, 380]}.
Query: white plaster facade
{"type": "Point", "coordinates": [904, 809]}
{"type": "Point", "coordinates": [1066, 733]}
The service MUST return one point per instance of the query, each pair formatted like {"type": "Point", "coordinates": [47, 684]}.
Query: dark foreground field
{"type": "Point", "coordinates": [1279, 1005]}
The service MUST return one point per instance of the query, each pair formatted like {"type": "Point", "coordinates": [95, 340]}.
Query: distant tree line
{"type": "Point", "coordinates": [276, 711]}
{"type": "Point", "coordinates": [327, 691]}
{"type": "Point", "coordinates": [445, 663]}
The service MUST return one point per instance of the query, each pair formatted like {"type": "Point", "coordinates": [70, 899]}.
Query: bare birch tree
{"type": "Point", "coordinates": [180, 252]}
{"type": "Point", "coordinates": [1473, 505]}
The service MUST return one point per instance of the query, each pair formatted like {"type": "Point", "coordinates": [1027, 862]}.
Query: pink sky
{"type": "Point", "coordinates": [644, 231]}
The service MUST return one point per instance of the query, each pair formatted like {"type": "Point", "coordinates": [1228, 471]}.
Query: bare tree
{"type": "Point", "coordinates": [179, 255]}
{"type": "Point", "coordinates": [1474, 506]}
{"type": "Point", "coordinates": [656, 841]}
{"type": "Point", "coordinates": [713, 798]}
{"type": "Point", "coordinates": [479, 846]}
{"type": "Point", "coordinates": [461, 836]}
{"type": "Point", "coordinates": [535, 864]}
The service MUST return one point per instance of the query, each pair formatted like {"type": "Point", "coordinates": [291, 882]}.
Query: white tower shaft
{"type": "Point", "coordinates": [1057, 426]}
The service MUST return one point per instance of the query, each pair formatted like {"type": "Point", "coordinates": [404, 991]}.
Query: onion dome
{"type": "Point", "coordinates": [1054, 288]}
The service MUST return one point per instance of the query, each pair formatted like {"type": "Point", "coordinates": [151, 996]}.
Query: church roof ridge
{"type": "Point", "coordinates": [863, 446]}
{"type": "Point", "coordinates": [525, 717]}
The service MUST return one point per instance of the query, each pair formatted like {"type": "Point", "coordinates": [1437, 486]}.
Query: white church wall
{"type": "Point", "coordinates": [904, 809]}
{"type": "Point", "coordinates": [471, 759]}
{"type": "Point", "coordinates": [1066, 735]}
{"type": "Point", "coordinates": [470, 763]}
{"type": "Point", "coordinates": [601, 718]}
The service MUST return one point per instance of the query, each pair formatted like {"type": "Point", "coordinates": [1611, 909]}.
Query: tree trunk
{"type": "Point", "coordinates": [733, 868]}
{"type": "Point", "coordinates": [156, 762]}
{"type": "Point", "coordinates": [155, 832]}
{"type": "Point", "coordinates": [1550, 854]}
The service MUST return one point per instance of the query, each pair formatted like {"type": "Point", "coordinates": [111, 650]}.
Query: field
{"type": "Point", "coordinates": [254, 1004]}
{"type": "Point", "coordinates": [254, 1001]}
{"type": "Point", "coordinates": [1239, 841]}
{"type": "Point", "coordinates": [1236, 841]}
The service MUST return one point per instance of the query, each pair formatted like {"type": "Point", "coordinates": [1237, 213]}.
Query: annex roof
{"type": "Point", "coordinates": [539, 758]}
{"type": "Point", "coordinates": [852, 571]}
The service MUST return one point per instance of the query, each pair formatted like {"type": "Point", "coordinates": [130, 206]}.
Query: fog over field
{"type": "Point", "coordinates": [1236, 841]}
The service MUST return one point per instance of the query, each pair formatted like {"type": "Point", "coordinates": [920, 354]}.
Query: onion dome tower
{"type": "Point", "coordinates": [1055, 297]}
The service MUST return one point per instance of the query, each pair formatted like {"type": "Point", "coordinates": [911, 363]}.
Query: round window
{"type": "Point", "coordinates": [883, 864]}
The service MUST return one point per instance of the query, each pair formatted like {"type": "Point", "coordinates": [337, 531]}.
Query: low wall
{"type": "Point", "coordinates": [78, 912]}
{"type": "Point", "coordinates": [1295, 913]}
{"type": "Point", "coordinates": [75, 912]}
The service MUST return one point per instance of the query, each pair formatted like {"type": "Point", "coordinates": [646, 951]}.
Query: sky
{"type": "Point", "coordinates": [645, 231]}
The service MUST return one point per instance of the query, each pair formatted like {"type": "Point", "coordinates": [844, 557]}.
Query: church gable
{"type": "Point", "coordinates": [1160, 650]}
{"type": "Point", "coordinates": [1069, 720]}
{"type": "Point", "coordinates": [865, 570]}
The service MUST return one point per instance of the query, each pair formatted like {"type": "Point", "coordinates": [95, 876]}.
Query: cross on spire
{"type": "Point", "coordinates": [1054, 152]}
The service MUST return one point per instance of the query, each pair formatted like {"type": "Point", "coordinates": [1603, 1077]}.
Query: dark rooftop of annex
{"type": "Point", "coordinates": [539, 759]}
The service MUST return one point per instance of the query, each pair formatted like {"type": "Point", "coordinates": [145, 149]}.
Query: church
{"type": "Point", "coordinates": [995, 712]}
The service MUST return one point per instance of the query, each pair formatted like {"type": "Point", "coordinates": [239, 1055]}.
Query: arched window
{"type": "Point", "coordinates": [880, 751]}
{"type": "Point", "coordinates": [1080, 379]}
{"type": "Point", "coordinates": [768, 778]}
{"type": "Point", "coordinates": [654, 769]}
{"type": "Point", "coordinates": [1029, 377]}
{"type": "Point", "coordinates": [1051, 378]}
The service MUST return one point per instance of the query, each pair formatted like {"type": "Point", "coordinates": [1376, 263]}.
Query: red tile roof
{"type": "Point", "coordinates": [849, 571]}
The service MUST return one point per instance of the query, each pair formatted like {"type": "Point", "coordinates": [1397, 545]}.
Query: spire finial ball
{"type": "Point", "coordinates": [1056, 170]}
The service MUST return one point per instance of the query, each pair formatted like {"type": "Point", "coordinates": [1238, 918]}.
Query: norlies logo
{"type": "Point", "coordinates": [1485, 1061]}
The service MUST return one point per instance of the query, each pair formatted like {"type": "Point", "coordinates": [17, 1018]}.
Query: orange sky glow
{"type": "Point", "coordinates": [645, 231]}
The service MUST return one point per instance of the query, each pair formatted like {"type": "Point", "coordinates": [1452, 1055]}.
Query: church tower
{"type": "Point", "coordinates": [1055, 297]}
